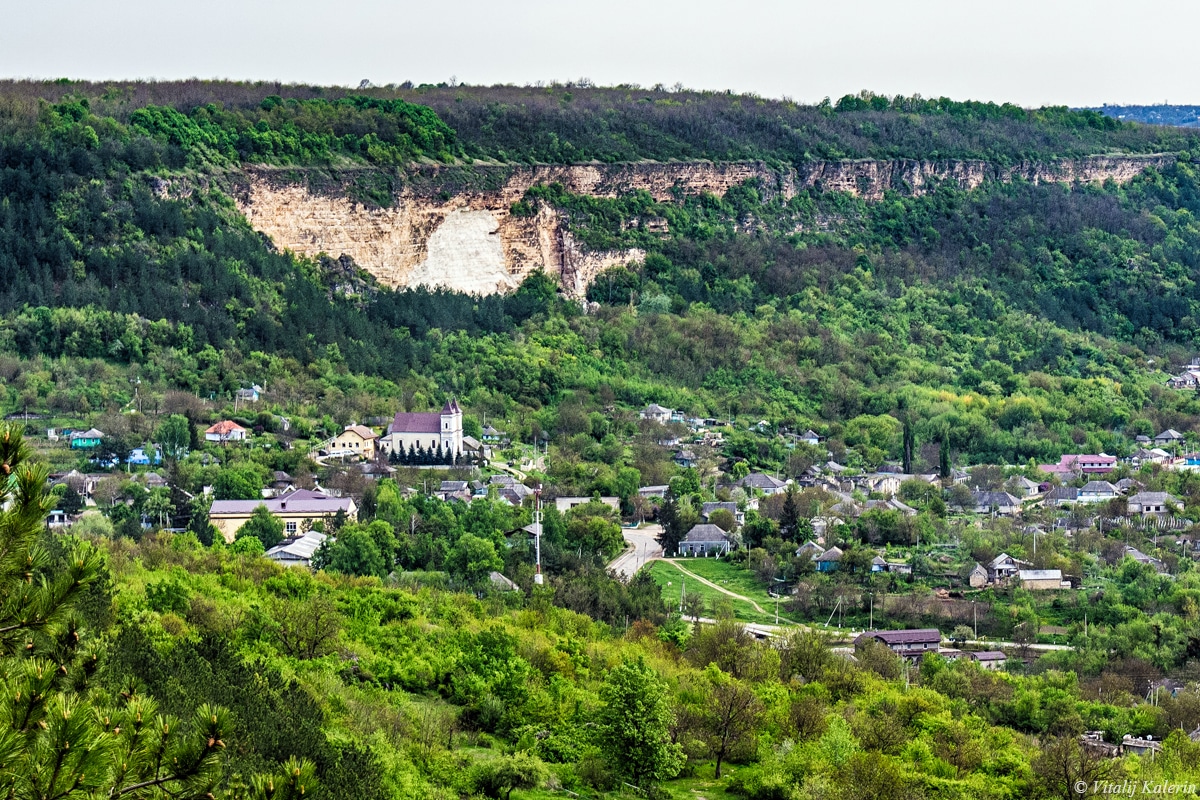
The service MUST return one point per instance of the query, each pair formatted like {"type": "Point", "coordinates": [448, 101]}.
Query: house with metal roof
{"type": "Point", "coordinates": [1097, 492]}
{"type": "Point", "coordinates": [292, 509]}
{"type": "Point", "coordinates": [1040, 579]}
{"type": "Point", "coordinates": [1080, 464]}
{"type": "Point", "coordinates": [355, 441]}
{"type": "Point", "coordinates": [656, 413]}
{"type": "Point", "coordinates": [762, 482]}
{"type": "Point", "coordinates": [989, 659]}
{"type": "Point", "coordinates": [297, 551]}
{"type": "Point", "coordinates": [1146, 504]}
{"type": "Point", "coordinates": [1169, 437]}
{"type": "Point", "coordinates": [811, 548]}
{"type": "Point", "coordinates": [739, 516]}
{"type": "Point", "coordinates": [1001, 503]}
{"type": "Point", "coordinates": [909, 644]}
{"type": "Point", "coordinates": [705, 539]}
{"type": "Point", "coordinates": [1003, 567]}
{"type": "Point", "coordinates": [85, 440]}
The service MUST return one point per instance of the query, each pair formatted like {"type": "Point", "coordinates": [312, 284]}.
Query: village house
{"type": "Point", "coordinates": [989, 659]}
{"type": "Point", "coordinates": [1142, 558]}
{"type": "Point", "coordinates": [1147, 504]}
{"type": "Point", "coordinates": [685, 459]}
{"type": "Point", "coordinates": [292, 509]}
{"type": "Point", "coordinates": [1020, 486]}
{"type": "Point", "coordinates": [978, 577]}
{"type": "Point", "coordinates": [658, 490]}
{"type": "Point", "coordinates": [1127, 485]}
{"type": "Point", "coordinates": [1132, 744]}
{"type": "Point", "coordinates": [1153, 455]}
{"type": "Point", "coordinates": [886, 483]}
{"type": "Point", "coordinates": [1189, 378]}
{"type": "Point", "coordinates": [1097, 492]}
{"type": "Point", "coordinates": [704, 539]}
{"type": "Point", "coordinates": [810, 437]}
{"type": "Point", "coordinates": [1079, 464]}
{"type": "Point", "coordinates": [758, 481]}
{"type": "Point", "coordinates": [281, 482]}
{"type": "Point", "coordinates": [1041, 579]}
{"type": "Point", "coordinates": [812, 548]}
{"type": "Point", "coordinates": [250, 395]}
{"type": "Point", "coordinates": [1169, 438]}
{"type": "Point", "coordinates": [356, 441]}
{"type": "Point", "coordinates": [1001, 503]}
{"type": "Point", "coordinates": [656, 413]}
{"type": "Point", "coordinates": [1061, 496]}
{"type": "Point", "coordinates": [427, 431]}
{"type": "Point", "coordinates": [225, 431]}
{"type": "Point", "coordinates": [908, 644]}
{"type": "Point", "coordinates": [492, 436]}
{"type": "Point", "coordinates": [86, 440]}
{"type": "Point", "coordinates": [139, 457]}
{"type": "Point", "coordinates": [297, 551]}
{"type": "Point", "coordinates": [829, 560]}
{"type": "Point", "coordinates": [475, 450]}
{"type": "Point", "coordinates": [152, 480]}
{"type": "Point", "coordinates": [891, 504]}
{"type": "Point", "coordinates": [739, 516]}
{"type": "Point", "coordinates": [454, 490]}
{"type": "Point", "coordinates": [565, 504]}
{"type": "Point", "coordinates": [1003, 567]}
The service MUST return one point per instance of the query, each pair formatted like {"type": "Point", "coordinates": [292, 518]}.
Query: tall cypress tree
{"type": "Point", "coordinates": [910, 443]}
{"type": "Point", "coordinates": [944, 455]}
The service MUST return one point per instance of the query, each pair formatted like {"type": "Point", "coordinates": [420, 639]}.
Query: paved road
{"type": "Point", "coordinates": [641, 547]}
{"type": "Point", "coordinates": [511, 470]}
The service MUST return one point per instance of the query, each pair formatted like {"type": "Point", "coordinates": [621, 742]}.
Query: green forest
{"type": "Point", "coordinates": [1002, 326]}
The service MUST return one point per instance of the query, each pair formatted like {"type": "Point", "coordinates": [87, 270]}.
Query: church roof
{"type": "Point", "coordinates": [416, 422]}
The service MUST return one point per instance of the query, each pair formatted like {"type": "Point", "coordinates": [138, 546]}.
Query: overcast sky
{"type": "Point", "coordinates": [1031, 52]}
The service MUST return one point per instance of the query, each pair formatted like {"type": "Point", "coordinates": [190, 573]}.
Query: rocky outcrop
{"type": "Point", "coordinates": [453, 226]}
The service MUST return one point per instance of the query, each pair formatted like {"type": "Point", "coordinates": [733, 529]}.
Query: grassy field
{"type": "Point", "coordinates": [724, 574]}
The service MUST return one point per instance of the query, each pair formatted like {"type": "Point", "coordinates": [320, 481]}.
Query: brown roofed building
{"type": "Point", "coordinates": [910, 644]}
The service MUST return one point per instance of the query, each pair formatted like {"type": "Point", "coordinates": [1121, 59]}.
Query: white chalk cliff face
{"type": "Point", "coordinates": [465, 238]}
{"type": "Point", "coordinates": [469, 241]}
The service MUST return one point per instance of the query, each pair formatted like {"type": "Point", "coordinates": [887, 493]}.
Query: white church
{"type": "Point", "coordinates": [426, 430]}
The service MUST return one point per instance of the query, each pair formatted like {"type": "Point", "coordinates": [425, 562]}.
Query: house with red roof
{"type": "Point", "coordinates": [225, 431]}
{"type": "Point", "coordinates": [1070, 466]}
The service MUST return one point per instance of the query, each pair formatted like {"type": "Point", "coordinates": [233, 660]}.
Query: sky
{"type": "Point", "coordinates": [1031, 52]}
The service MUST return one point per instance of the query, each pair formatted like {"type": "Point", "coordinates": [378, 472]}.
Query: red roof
{"type": "Point", "coordinates": [416, 422]}
{"type": "Point", "coordinates": [225, 427]}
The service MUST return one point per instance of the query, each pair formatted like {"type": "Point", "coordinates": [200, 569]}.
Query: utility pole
{"type": "Point", "coordinates": [537, 538]}
{"type": "Point", "coordinates": [975, 615]}
{"type": "Point", "coordinates": [682, 594]}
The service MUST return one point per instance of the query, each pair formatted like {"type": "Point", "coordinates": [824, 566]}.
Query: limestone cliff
{"type": "Point", "coordinates": [452, 226]}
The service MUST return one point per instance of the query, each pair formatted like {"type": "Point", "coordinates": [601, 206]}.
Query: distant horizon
{"type": "Point", "coordinates": [570, 83]}
{"type": "Point", "coordinates": [1030, 53]}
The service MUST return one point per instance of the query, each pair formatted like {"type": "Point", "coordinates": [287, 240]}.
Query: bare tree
{"type": "Point", "coordinates": [306, 628]}
{"type": "Point", "coordinates": [1064, 762]}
